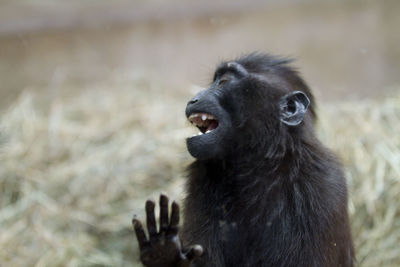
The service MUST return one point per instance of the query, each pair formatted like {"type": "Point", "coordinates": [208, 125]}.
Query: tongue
{"type": "Point", "coordinates": [212, 125]}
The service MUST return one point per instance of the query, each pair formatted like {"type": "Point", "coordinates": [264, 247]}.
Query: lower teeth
{"type": "Point", "coordinates": [201, 133]}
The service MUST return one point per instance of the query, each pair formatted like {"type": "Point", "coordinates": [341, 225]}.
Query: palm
{"type": "Point", "coordinates": [163, 248]}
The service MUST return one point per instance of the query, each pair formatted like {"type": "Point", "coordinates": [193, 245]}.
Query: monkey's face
{"type": "Point", "coordinates": [217, 112]}
{"type": "Point", "coordinates": [240, 113]}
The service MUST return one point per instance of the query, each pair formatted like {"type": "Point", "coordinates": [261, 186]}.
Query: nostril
{"type": "Point", "coordinates": [194, 100]}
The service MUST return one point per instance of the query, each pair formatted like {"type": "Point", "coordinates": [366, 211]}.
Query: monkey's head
{"type": "Point", "coordinates": [255, 103]}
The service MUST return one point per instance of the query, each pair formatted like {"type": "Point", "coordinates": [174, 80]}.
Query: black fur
{"type": "Point", "coordinates": [262, 193]}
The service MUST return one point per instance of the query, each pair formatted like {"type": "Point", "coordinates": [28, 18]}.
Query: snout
{"type": "Point", "coordinates": [196, 103]}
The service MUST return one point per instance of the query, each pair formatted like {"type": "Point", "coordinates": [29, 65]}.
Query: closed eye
{"type": "Point", "coordinates": [225, 78]}
{"type": "Point", "coordinates": [222, 82]}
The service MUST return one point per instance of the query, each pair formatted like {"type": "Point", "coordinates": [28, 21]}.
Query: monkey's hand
{"type": "Point", "coordinates": [163, 248]}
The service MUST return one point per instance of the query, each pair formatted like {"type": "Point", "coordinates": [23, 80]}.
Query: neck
{"type": "Point", "coordinates": [249, 174]}
{"type": "Point", "coordinates": [241, 178]}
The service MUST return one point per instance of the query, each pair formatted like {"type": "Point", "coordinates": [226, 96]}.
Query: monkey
{"type": "Point", "coordinates": [263, 190]}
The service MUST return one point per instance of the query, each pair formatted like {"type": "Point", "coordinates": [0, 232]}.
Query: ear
{"type": "Point", "coordinates": [293, 107]}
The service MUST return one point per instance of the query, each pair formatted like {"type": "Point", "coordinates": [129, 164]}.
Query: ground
{"type": "Point", "coordinates": [76, 167]}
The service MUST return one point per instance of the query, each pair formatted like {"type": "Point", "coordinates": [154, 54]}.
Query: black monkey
{"type": "Point", "coordinates": [263, 190]}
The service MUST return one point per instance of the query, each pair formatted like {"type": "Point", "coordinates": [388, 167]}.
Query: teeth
{"type": "Point", "coordinates": [202, 121]}
{"type": "Point", "coordinates": [204, 116]}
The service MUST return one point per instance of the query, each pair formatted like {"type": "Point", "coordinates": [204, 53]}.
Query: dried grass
{"type": "Point", "coordinates": [74, 168]}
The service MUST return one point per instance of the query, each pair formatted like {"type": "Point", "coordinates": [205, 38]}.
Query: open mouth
{"type": "Point", "coordinates": [204, 121]}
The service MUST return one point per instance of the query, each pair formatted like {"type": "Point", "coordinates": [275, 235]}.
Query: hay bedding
{"type": "Point", "coordinates": [75, 166]}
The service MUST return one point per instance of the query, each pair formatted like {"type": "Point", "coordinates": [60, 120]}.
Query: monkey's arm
{"type": "Point", "coordinates": [163, 248]}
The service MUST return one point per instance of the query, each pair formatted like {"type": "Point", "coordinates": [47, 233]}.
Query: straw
{"type": "Point", "coordinates": [76, 166]}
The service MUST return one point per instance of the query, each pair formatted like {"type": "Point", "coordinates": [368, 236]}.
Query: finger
{"type": "Point", "coordinates": [140, 235]}
{"type": "Point", "coordinates": [163, 213]}
{"type": "Point", "coordinates": [173, 226]}
{"type": "Point", "coordinates": [194, 252]}
{"type": "Point", "coordinates": [151, 219]}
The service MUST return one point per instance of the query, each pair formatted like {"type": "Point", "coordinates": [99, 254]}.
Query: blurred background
{"type": "Point", "coordinates": [92, 98]}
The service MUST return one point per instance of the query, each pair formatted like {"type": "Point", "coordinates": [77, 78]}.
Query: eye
{"type": "Point", "coordinates": [223, 80]}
